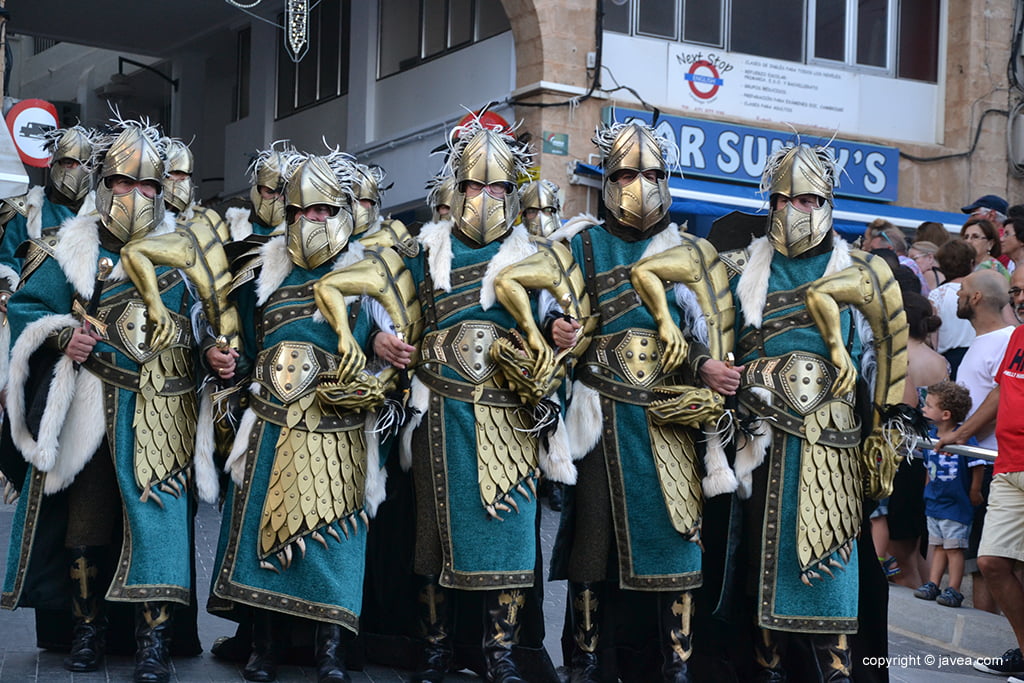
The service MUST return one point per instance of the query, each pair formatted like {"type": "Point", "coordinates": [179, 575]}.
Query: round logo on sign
{"type": "Point", "coordinates": [29, 121]}
{"type": "Point", "coordinates": [703, 79]}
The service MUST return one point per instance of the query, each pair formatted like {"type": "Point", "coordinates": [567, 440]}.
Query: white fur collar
{"type": "Point", "coordinates": [574, 225]}
{"type": "Point", "coordinates": [666, 239]}
{"type": "Point", "coordinates": [79, 248]}
{"type": "Point", "coordinates": [514, 249]}
{"type": "Point", "coordinates": [239, 224]}
{"type": "Point", "coordinates": [277, 265]}
{"type": "Point", "coordinates": [436, 239]}
{"type": "Point", "coordinates": [752, 290]}
{"type": "Point", "coordinates": [34, 201]}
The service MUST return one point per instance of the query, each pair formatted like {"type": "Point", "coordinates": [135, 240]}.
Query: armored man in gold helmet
{"type": "Point", "coordinates": [305, 472]}
{"type": "Point", "coordinates": [110, 435]}
{"type": "Point", "coordinates": [180, 190]}
{"type": "Point", "coordinates": [68, 191]}
{"type": "Point", "coordinates": [813, 315]}
{"type": "Point", "coordinates": [266, 195]}
{"type": "Point", "coordinates": [474, 451]}
{"type": "Point", "coordinates": [631, 531]}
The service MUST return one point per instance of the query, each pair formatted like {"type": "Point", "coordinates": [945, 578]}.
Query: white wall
{"type": "Point", "coordinates": [876, 107]}
{"type": "Point", "coordinates": [66, 72]}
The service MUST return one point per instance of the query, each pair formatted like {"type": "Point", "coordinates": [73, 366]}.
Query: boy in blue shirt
{"type": "Point", "coordinates": [947, 494]}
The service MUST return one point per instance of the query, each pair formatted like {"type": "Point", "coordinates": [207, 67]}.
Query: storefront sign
{"type": "Point", "coordinates": [737, 153]}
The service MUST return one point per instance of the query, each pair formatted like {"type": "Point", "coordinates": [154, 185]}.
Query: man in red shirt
{"type": "Point", "coordinates": [1002, 541]}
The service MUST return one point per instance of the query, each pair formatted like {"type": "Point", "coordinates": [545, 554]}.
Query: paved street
{"type": "Point", "coordinates": [916, 658]}
{"type": "Point", "coordinates": [20, 660]}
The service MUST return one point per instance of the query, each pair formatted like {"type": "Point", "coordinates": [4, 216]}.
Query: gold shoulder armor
{"type": "Point", "coordinates": [696, 265]}
{"type": "Point", "coordinates": [209, 217]}
{"type": "Point", "coordinates": [395, 235]}
{"type": "Point", "coordinates": [735, 261]}
{"type": "Point", "coordinates": [381, 274]}
{"type": "Point", "coordinates": [14, 205]}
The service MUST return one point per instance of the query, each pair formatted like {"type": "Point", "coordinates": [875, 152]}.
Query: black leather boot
{"type": "Point", "coordinates": [89, 637]}
{"type": "Point", "coordinates": [768, 655]}
{"type": "Point", "coordinates": [266, 647]}
{"type": "Point", "coordinates": [330, 654]}
{"type": "Point", "coordinates": [153, 642]}
{"type": "Point", "coordinates": [586, 603]}
{"type": "Point", "coordinates": [556, 498]}
{"type": "Point", "coordinates": [501, 632]}
{"type": "Point", "coordinates": [675, 611]}
{"type": "Point", "coordinates": [832, 656]}
{"type": "Point", "coordinates": [435, 627]}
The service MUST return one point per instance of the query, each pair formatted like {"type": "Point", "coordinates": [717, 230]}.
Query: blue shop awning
{"type": "Point", "coordinates": [701, 202]}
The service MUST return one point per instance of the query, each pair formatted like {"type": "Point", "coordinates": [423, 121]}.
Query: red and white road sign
{"type": "Point", "coordinates": [29, 121]}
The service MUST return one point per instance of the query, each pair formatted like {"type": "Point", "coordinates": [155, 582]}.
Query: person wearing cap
{"type": "Point", "coordinates": [991, 207]}
{"type": "Point", "coordinates": [995, 209]}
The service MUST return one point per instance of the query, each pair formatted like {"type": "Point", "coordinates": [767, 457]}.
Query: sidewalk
{"type": "Point", "coordinates": [964, 629]}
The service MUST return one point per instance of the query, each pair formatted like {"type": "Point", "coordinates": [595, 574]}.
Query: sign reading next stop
{"type": "Point", "coordinates": [727, 151]}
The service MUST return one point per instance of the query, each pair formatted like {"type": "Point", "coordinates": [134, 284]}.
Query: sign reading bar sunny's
{"type": "Point", "coordinates": [727, 151]}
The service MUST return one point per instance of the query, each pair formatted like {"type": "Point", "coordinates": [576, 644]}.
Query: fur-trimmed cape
{"type": "Point", "coordinates": [752, 293]}
{"type": "Point", "coordinates": [555, 458]}
{"type": "Point", "coordinates": [73, 424]}
{"type": "Point", "coordinates": [276, 265]}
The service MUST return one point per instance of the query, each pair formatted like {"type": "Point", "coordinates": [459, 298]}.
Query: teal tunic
{"type": "Point", "coordinates": [16, 231]}
{"type": "Point", "coordinates": [325, 582]}
{"type": "Point", "coordinates": [478, 552]}
{"type": "Point", "coordinates": [155, 554]}
{"type": "Point", "coordinates": [785, 602]}
{"type": "Point", "coordinates": [649, 553]}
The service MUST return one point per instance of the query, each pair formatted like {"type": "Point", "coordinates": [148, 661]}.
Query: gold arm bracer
{"type": "Point", "coordinates": [869, 286]}
{"type": "Point", "coordinates": [694, 264]}
{"type": "Point", "coordinates": [380, 274]}
{"type": "Point", "coordinates": [198, 252]}
{"type": "Point", "coordinates": [551, 269]}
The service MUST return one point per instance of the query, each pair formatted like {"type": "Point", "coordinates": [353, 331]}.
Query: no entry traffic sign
{"type": "Point", "coordinates": [29, 121]}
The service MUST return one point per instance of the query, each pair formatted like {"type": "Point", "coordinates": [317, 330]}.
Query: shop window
{"type": "Point", "coordinates": [413, 31]}
{"type": "Point", "coordinates": [918, 43]}
{"type": "Point", "coordinates": [894, 37]}
{"type": "Point", "coordinates": [322, 74]}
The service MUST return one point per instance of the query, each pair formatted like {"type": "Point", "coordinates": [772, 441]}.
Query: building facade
{"type": "Point", "coordinates": [920, 95]}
